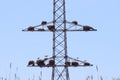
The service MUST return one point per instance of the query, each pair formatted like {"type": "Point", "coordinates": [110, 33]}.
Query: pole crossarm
{"type": "Point", "coordinates": [72, 26]}
{"type": "Point", "coordinates": [49, 62]}
{"type": "Point", "coordinates": [60, 66]}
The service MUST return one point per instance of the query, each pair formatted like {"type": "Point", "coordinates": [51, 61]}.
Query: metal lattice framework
{"type": "Point", "coordinates": [60, 61]}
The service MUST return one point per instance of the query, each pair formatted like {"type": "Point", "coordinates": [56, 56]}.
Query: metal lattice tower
{"type": "Point", "coordinates": [60, 61]}
{"type": "Point", "coordinates": [60, 41]}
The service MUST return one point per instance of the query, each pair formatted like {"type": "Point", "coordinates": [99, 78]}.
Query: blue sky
{"type": "Point", "coordinates": [101, 48]}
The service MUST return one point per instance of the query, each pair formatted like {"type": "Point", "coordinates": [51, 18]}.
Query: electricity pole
{"type": "Point", "coordinates": [59, 26]}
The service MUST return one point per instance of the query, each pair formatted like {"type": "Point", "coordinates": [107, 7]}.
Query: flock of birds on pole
{"type": "Point", "coordinates": [49, 62]}
{"type": "Point", "coordinates": [52, 28]}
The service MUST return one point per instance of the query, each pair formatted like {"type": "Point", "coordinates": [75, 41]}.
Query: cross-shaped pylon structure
{"type": "Point", "coordinates": [59, 26]}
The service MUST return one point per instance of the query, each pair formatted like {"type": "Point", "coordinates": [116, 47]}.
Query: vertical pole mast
{"type": "Point", "coordinates": [59, 41]}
